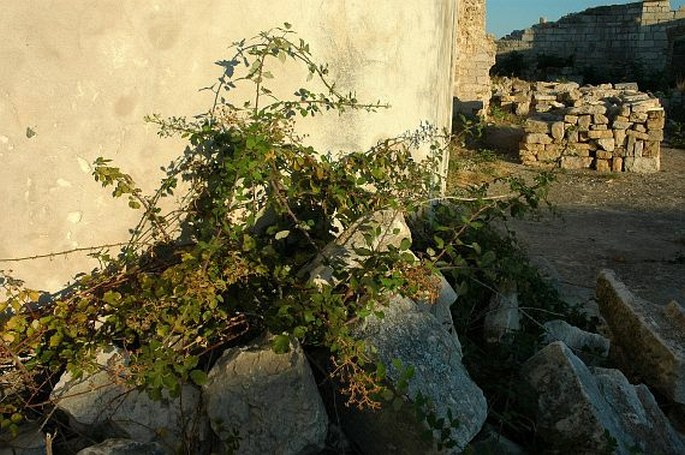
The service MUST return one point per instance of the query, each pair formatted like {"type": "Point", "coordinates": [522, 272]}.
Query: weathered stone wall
{"type": "Point", "coordinates": [606, 128]}
{"type": "Point", "coordinates": [474, 56]}
{"type": "Point", "coordinates": [619, 40]}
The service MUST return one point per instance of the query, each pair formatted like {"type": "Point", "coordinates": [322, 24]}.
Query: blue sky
{"type": "Point", "coordinates": [505, 16]}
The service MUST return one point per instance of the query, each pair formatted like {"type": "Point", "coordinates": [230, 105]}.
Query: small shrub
{"type": "Point", "coordinates": [257, 206]}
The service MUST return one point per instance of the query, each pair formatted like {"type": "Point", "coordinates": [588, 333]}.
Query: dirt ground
{"type": "Point", "coordinates": [631, 223]}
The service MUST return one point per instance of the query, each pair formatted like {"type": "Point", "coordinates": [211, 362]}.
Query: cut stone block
{"type": "Point", "coordinates": [651, 341]}
{"type": "Point", "coordinates": [642, 164]}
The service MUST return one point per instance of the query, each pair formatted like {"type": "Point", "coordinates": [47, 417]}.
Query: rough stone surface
{"type": "Point", "coordinates": [640, 415]}
{"type": "Point", "coordinates": [393, 230]}
{"type": "Point", "coordinates": [98, 406]}
{"type": "Point", "coordinates": [619, 40]}
{"type": "Point", "coordinates": [29, 441]}
{"type": "Point", "coordinates": [652, 342]}
{"type": "Point", "coordinates": [270, 399]}
{"type": "Point", "coordinates": [565, 120]}
{"type": "Point", "coordinates": [473, 58]}
{"type": "Point", "coordinates": [503, 316]}
{"type": "Point", "coordinates": [591, 347]}
{"type": "Point", "coordinates": [123, 447]}
{"type": "Point", "coordinates": [490, 442]}
{"type": "Point", "coordinates": [579, 412]}
{"type": "Point", "coordinates": [409, 333]}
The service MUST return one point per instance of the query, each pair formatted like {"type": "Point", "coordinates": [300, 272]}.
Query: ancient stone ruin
{"type": "Point", "coordinates": [607, 128]}
{"type": "Point", "coordinates": [474, 55]}
{"type": "Point", "coordinates": [607, 42]}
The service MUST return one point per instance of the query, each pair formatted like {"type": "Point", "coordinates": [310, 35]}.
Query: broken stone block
{"type": "Point", "coordinates": [655, 135]}
{"type": "Point", "coordinates": [626, 86]}
{"type": "Point", "coordinates": [503, 315]}
{"type": "Point", "coordinates": [640, 414]}
{"type": "Point", "coordinates": [601, 119]}
{"type": "Point", "coordinates": [588, 109]}
{"type": "Point", "coordinates": [584, 122]}
{"type": "Point", "coordinates": [621, 123]}
{"type": "Point", "coordinates": [617, 164]}
{"type": "Point", "coordinates": [576, 162]}
{"type": "Point", "coordinates": [123, 447]}
{"type": "Point", "coordinates": [537, 138]}
{"type": "Point", "coordinates": [536, 126]}
{"type": "Point", "coordinates": [652, 149]}
{"type": "Point", "coordinates": [99, 404]}
{"type": "Point", "coordinates": [416, 338]}
{"type": "Point", "coordinates": [619, 138]}
{"type": "Point", "coordinates": [651, 341]}
{"type": "Point", "coordinates": [590, 347]}
{"type": "Point", "coordinates": [602, 165]}
{"type": "Point", "coordinates": [638, 117]}
{"type": "Point", "coordinates": [600, 134]}
{"type": "Point", "coordinates": [551, 152]}
{"type": "Point", "coordinates": [558, 130]}
{"type": "Point", "coordinates": [642, 164]}
{"type": "Point", "coordinates": [29, 440]}
{"type": "Point", "coordinates": [644, 106]}
{"type": "Point", "coordinates": [269, 399]}
{"type": "Point", "coordinates": [607, 144]}
{"type": "Point", "coordinates": [582, 412]}
{"type": "Point", "coordinates": [489, 441]}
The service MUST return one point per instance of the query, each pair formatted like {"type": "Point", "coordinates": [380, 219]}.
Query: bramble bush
{"type": "Point", "coordinates": [255, 206]}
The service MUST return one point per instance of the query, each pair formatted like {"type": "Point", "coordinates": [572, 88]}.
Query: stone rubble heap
{"type": "Point", "coordinates": [609, 128]}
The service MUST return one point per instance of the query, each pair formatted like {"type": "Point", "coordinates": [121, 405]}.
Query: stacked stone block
{"type": "Point", "coordinates": [474, 56]}
{"type": "Point", "coordinates": [606, 128]}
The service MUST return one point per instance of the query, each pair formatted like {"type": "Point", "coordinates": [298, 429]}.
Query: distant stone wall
{"type": "Point", "coordinates": [474, 56]}
{"type": "Point", "coordinates": [606, 128]}
{"type": "Point", "coordinates": [611, 41]}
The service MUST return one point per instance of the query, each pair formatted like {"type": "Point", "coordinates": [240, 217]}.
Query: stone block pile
{"type": "Point", "coordinates": [609, 128]}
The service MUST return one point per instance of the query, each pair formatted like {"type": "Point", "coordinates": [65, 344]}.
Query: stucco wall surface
{"type": "Point", "coordinates": [79, 76]}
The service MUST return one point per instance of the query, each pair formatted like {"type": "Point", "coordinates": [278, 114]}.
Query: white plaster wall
{"type": "Point", "coordinates": [82, 74]}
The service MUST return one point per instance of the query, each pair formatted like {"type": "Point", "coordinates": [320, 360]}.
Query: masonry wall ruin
{"type": "Point", "coordinates": [607, 128]}
{"type": "Point", "coordinates": [607, 42]}
{"type": "Point", "coordinates": [474, 56]}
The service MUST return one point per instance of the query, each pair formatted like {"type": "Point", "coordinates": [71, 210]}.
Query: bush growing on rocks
{"type": "Point", "coordinates": [257, 208]}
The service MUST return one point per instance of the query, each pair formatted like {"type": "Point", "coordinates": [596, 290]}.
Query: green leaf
{"type": "Point", "coordinates": [405, 244]}
{"type": "Point", "coordinates": [280, 235]}
{"type": "Point", "coordinates": [299, 332]}
{"type": "Point", "coordinates": [199, 377]}
{"type": "Point", "coordinates": [281, 344]}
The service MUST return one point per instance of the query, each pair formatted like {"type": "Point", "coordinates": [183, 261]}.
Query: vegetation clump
{"type": "Point", "coordinates": [256, 207]}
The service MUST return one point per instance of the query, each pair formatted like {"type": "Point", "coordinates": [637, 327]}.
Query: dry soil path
{"type": "Point", "coordinates": [631, 223]}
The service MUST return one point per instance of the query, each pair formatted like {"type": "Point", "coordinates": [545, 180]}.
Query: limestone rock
{"type": "Point", "coordinates": [393, 230]}
{"type": "Point", "coordinates": [590, 347]}
{"type": "Point", "coordinates": [270, 399]}
{"type": "Point", "coordinates": [579, 412]}
{"type": "Point", "coordinates": [490, 442]}
{"type": "Point", "coordinates": [642, 165]}
{"type": "Point", "coordinates": [640, 415]}
{"type": "Point", "coordinates": [99, 406]}
{"type": "Point", "coordinates": [409, 333]}
{"type": "Point", "coordinates": [440, 309]}
{"type": "Point", "coordinates": [652, 341]}
{"type": "Point", "coordinates": [123, 447]}
{"type": "Point", "coordinates": [503, 316]}
{"type": "Point", "coordinates": [29, 441]}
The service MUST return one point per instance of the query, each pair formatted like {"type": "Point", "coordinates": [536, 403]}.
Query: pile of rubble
{"type": "Point", "coordinates": [610, 128]}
